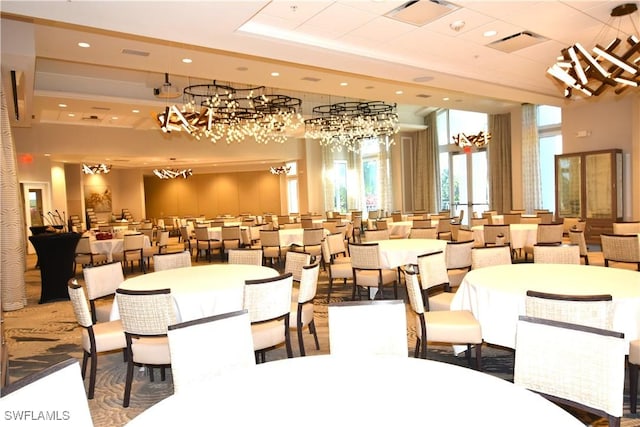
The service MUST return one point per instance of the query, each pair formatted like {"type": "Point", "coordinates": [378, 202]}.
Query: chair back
{"type": "Point", "coordinates": [458, 254]}
{"type": "Point", "coordinates": [270, 238]}
{"type": "Point", "coordinates": [512, 218]}
{"type": "Point", "coordinates": [170, 261]}
{"type": "Point", "coordinates": [59, 386]}
{"type": "Point", "coordinates": [546, 217]}
{"type": "Point", "coordinates": [549, 233]}
{"type": "Point", "coordinates": [146, 313]}
{"type": "Point", "coordinates": [479, 221]}
{"type": "Point", "coordinates": [569, 223]}
{"type": "Point", "coordinates": [421, 223]}
{"type": "Point", "coordinates": [294, 261]}
{"type": "Point", "coordinates": [245, 256]}
{"type": "Point", "coordinates": [465, 235]}
{"type": "Point", "coordinates": [205, 348]}
{"type": "Point", "coordinates": [530, 220]}
{"type": "Point", "coordinates": [423, 232]}
{"type": "Point", "coordinates": [433, 270]}
{"type": "Point", "coordinates": [630, 227]}
{"type": "Point", "coordinates": [102, 280]}
{"type": "Point", "coordinates": [201, 233]}
{"type": "Point", "coordinates": [585, 368]}
{"type": "Point", "coordinates": [268, 299]}
{"type": "Point", "coordinates": [396, 216]}
{"type": "Point", "coordinates": [330, 226]}
{"type": "Point", "coordinates": [312, 236]}
{"type": "Point", "coordinates": [576, 237]}
{"type": "Point", "coordinates": [365, 256]}
{"type": "Point", "coordinates": [306, 222]}
{"type": "Point", "coordinates": [336, 244]}
{"type": "Point", "coordinates": [308, 283]}
{"type": "Point", "coordinates": [382, 224]}
{"type": "Point", "coordinates": [84, 246]}
{"type": "Point", "coordinates": [374, 235]}
{"type": "Point", "coordinates": [163, 239]}
{"type": "Point", "coordinates": [79, 304]}
{"type": "Point", "coordinates": [414, 291]}
{"type": "Point", "coordinates": [488, 256]}
{"type": "Point", "coordinates": [556, 254]}
{"type": "Point", "coordinates": [368, 328]}
{"type": "Point", "coordinates": [621, 247]}
{"type": "Point", "coordinates": [491, 232]}
{"type": "Point", "coordinates": [133, 242]}
{"type": "Point", "coordinates": [589, 310]}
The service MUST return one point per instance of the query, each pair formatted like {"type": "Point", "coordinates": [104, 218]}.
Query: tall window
{"type": "Point", "coordinates": [463, 175]}
{"type": "Point", "coordinates": [340, 182]}
{"type": "Point", "coordinates": [292, 187]}
{"type": "Point", "coordinates": [549, 120]}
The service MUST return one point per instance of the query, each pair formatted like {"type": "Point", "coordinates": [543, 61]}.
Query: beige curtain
{"type": "Point", "coordinates": [354, 175]}
{"type": "Point", "coordinates": [384, 177]}
{"type": "Point", "coordinates": [531, 183]}
{"type": "Point", "coordinates": [499, 151]}
{"type": "Point", "coordinates": [12, 240]}
{"type": "Point", "coordinates": [426, 167]}
{"type": "Point", "coordinates": [328, 156]}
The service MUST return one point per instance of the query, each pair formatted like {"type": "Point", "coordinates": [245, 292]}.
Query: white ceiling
{"type": "Point", "coordinates": [329, 42]}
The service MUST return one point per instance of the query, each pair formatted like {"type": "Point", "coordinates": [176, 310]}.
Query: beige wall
{"type": "Point", "coordinates": [213, 194]}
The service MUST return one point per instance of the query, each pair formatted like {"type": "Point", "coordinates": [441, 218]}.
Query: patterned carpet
{"type": "Point", "coordinates": [41, 335]}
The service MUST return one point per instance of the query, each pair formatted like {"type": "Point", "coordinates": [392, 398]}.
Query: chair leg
{"type": "Point", "coordinates": [312, 329]}
{"type": "Point", "coordinates": [416, 351]}
{"type": "Point", "coordinates": [85, 358]}
{"type": "Point", "coordinates": [330, 288]}
{"type": "Point", "coordinates": [128, 381]}
{"type": "Point", "coordinates": [633, 387]}
{"type": "Point", "coordinates": [479, 357]}
{"type": "Point", "coordinates": [287, 338]}
{"type": "Point", "coordinates": [92, 374]}
{"type": "Point", "coordinates": [299, 330]}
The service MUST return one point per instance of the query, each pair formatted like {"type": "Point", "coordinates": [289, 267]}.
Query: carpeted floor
{"type": "Point", "coordinates": [41, 335]}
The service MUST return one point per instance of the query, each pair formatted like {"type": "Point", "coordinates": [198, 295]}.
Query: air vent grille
{"type": "Point", "coordinates": [517, 41]}
{"type": "Point", "coordinates": [311, 79]}
{"type": "Point", "coordinates": [421, 12]}
{"type": "Point", "coordinates": [135, 52]}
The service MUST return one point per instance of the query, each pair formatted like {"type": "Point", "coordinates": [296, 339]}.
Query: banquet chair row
{"type": "Point", "coordinates": [585, 368]}
{"type": "Point", "coordinates": [367, 271]}
{"type": "Point", "coordinates": [85, 256]}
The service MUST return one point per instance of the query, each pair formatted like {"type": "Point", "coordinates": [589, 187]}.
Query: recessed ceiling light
{"type": "Point", "coordinates": [369, 87]}
{"type": "Point", "coordinates": [490, 33]}
{"type": "Point", "coordinates": [275, 74]}
{"type": "Point", "coordinates": [241, 68]}
{"type": "Point", "coordinates": [187, 60]}
{"type": "Point", "coordinates": [445, 98]}
{"type": "Point", "coordinates": [114, 118]}
{"type": "Point", "coordinates": [457, 25]}
{"type": "Point", "coordinates": [344, 84]}
{"type": "Point", "coordinates": [62, 105]}
{"type": "Point", "coordinates": [135, 111]}
{"type": "Point", "coordinates": [47, 154]}
{"type": "Point", "coordinates": [84, 44]}
{"type": "Point", "coordinates": [399, 92]}
{"type": "Point", "coordinates": [71, 115]}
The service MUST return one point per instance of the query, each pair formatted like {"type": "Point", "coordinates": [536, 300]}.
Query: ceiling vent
{"type": "Point", "coordinates": [311, 79]}
{"type": "Point", "coordinates": [517, 41]}
{"type": "Point", "coordinates": [166, 91]}
{"type": "Point", "coordinates": [135, 52]}
{"type": "Point", "coordinates": [421, 12]}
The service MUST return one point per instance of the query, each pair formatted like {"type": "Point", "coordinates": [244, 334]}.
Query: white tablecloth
{"type": "Point", "coordinates": [216, 233]}
{"type": "Point", "coordinates": [357, 389]}
{"type": "Point", "coordinates": [289, 236]}
{"type": "Point", "coordinates": [496, 295]}
{"type": "Point", "coordinates": [111, 246]}
{"type": "Point", "coordinates": [521, 234]}
{"type": "Point", "coordinates": [398, 252]}
{"type": "Point", "coordinates": [200, 291]}
{"type": "Point", "coordinates": [400, 228]}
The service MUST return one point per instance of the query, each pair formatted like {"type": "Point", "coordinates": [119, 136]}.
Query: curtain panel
{"type": "Point", "coordinates": [499, 151]}
{"type": "Point", "coordinates": [531, 182]}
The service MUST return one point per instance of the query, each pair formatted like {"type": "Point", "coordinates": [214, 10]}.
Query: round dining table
{"type": "Point", "coordinates": [398, 252]}
{"type": "Point", "coordinates": [376, 390]}
{"type": "Point", "coordinates": [496, 295]}
{"type": "Point", "coordinates": [109, 247]}
{"type": "Point", "coordinates": [521, 234]}
{"type": "Point", "coordinates": [200, 291]}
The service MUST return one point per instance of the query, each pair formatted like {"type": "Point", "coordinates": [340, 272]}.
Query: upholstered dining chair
{"type": "Point", "coordinates": [491, 255]}
{"type": "Point", "coordinates": [293, 263]}
{"type": "Point", "coordinates": [421, 223]}
{"type": "Point", "coordinates": [268, 302]}
{"type": "Point", "coordinates": [368, 328]}
{"type": "Point", "coordinates": [96, 337]}
{"type": "Point", "coordinates": [245, 256]}
{"type": "Point", "coordinates": [423, 233]}
{"type": "Point", "coordinates": [367, 271]}
{"type": "Point", "coordinates": [311, 240]}
{"type": "Point", "coordinates": [492, 234]}
{"type": "Point", "coordinates": [85, 256]}
{"type": "Point", "coordinates": [589, 310]}
{"type": "Point", "coordinates": [455, 327]}
{"type": "Point", "coordinates": [576, 237]}
{"type": "Point", "coordinates": [634, 364]}
{"type": "Point", "coordinates": [433, 274]}
{"type": "Point", "coordinates": [146, 316]}
{"type": "Point", "coordinates": [172, 260]}
{"type": "Point", "coordinates": [101, 282]}
{"type": "Point", "coordinates": [338, 267]}
{"type": "Point", "coordinates": [59, 386]}
{"type": "Point", "coordinates": [270, 244]}
{"type": "Point", "coordinates": [132, 250]}
{"type": "Point", "coordinates": [572, 223]}
{"type": "Point", "coordinates": [204, 348]}
{"type": "Point", "coordinates": [620, 248]}
{"type": "Point", "coordinates": [231, 238]}
{"type": "Point", "coordinates": [374, 235]}
{"type": "Point", "coordinates": [545, 234]}
{"type": "Point", "coordinates": [458, 260]}
{"type": "Point", "coordinates": [628, 227]}
{"type": "Point", "coordinates": [556, 253]}
{"type": "Point", "coordinates": [204, 243]}
{"type": "Point", "coordinates": [188, 241]}
{"type": "Point", "coordinates": [444, 229]}
{"type": "Point", "coordinates": [302, 307]}
{"type": "Point", "coordinates": [585, 370]}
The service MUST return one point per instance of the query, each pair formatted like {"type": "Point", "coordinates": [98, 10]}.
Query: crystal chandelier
{"type": "Point", "coordinates": [222, 112]}
{"type": "Point", "coordinates": [592, 72]}
{"type": "Point", "coordinates": [172, 173]}
{"type": "Point", "coordinates": [347, 124]}
{"type": "Point", "coordinates": [95, 169]}
{"type": "Point", "coordinates": [466, 142]}
{"type": "Point", "coordinates": [280, 170]}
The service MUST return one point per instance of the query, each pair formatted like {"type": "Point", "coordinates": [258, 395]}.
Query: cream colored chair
{"type": "Point", "coordinates": [589, 310]}
{"type": "Point", "coordinates": [56, 389]}
{"type": "Point", "coordinates": [337, 267]}
{"type": "Point", "coordinates": [132, 250]}
{"type": "Point", "coordinates": [375, 235]}
{"type": "Point", "coordinates": [572, 223]}
{"type": "Point", "coordinates": [367, 272]}
{"type": "Point", "coordinates": [101, 282]}
{"type": "Point", "coordinates": [556, 253]}
{"type": "Point", "coordinates": [96, 337]}
{"type": "Point", "coordinates": [302, 308]}
{"type": "Point", "coordinates": [269, 304]}
{"type": "Point", "coordinates": [311, 240]}
{"type": "Point", "coordinates": [621, 248]}
{"type": "Point", "coordinates": [546, 234]}
{"type": "Point", "coordinates": [458, 260]}
{"type": "Point", "coordinates": [368, 328]}
{"type": "Point", "coordinates": [205, 348]}
{"type": "Point", "coordinates": [421, 223]}
{"type": "Point", "coordinates": [634, 364]}
{"type": "Point", "coordinates": [293, 263]}
{"type": "Point", "coordinates": [576, 237]}
{"type": "Point", "coordinates": [204, 243]}
{"type": "Point", "coordinates": [455, 327]}
{"type": "Point", "coordinates": [489, 256]}
{"type": "Point", "coordinates": [85, 256]}
{"type": "Point", "coordinates": [433, 274]}
{"type": "Point", "coordinates": [245, 256]}
{"type": "Point", "coordinates": [583, 369]}
{"type": "Point", "coordinates": [146, 316]}
{"type": "Point", "coordinates": [497, 234]}
{"type": "Point", "coordinates": [270, 244]}
{"type": "Point", "coordinates": [630, 227]}
{"type": "Point", "coordinates": [169, 261]}
{"type": "Point", "coordinates": [231, 238]}
{"type": "Point", "coordinates": [423, 233]}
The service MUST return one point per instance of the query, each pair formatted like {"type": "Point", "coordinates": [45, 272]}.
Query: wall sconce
{"type": "Point", "coordinates": [95, 169]}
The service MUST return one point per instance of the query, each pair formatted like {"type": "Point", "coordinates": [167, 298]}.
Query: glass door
{"type": "Point", "coordinates": [469, 183]}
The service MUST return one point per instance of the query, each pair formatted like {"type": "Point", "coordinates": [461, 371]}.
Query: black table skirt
{"type": "Point", "coordinates": [56, 253]}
